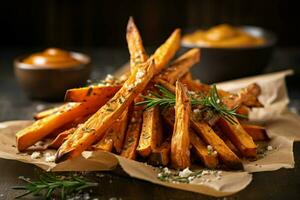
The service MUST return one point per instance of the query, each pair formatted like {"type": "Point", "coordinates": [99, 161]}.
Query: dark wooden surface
{"type": "Point", "coordinates": [281, 184]}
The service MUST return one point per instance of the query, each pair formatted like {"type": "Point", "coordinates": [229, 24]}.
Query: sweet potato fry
{"type": "Point", "coordinates": [94, 128]}
{"type": "Point", "coordinates": [133, 134]}
{"type": "Point", "coordinates": [161, 56]}
{"type": "Point", "coordinates": [227, 141]}
{"type": "Point", "coordinates": [160, 156]}
{"type": "Point", "coordinates": [107, 142]}
{"type": "Point", "coordinates": [239, 137]}
{"type": "Point", "coordinates": [92, 92]}
{"type": "Point", "coordinates": [180, 143]}
{"type": "Point", "coordinates": [51, 111]}
{"type": "Point", "coordinates": [248, 96]}
{"type": "Point", "coordinates": [167, 50]}
{"type": "Point", "coordinates": [151, 134]}
{"type": "Point", "coordinates": [119, 139]}
{"type": "Point", "coordinates": [180, 66]}
{"type": "Point", "coordinates": [194, 85]}
{"type": "Point", "coordinates": [210, 137]}
{"type": "Point", "coordinates": [59, 140]}
{"type": "Point", "coordinates": [45, 126]}
{"type": "Point", "coordinates": [115, 135]}
{"type": "Point", "coordinates": [135, 44]}
{"type": "Point", "coordinates": [243, 110]}
{"type": "Point", "coordinates": [208, 158]}
{"type": "Point", "coordinates": [258, 133]}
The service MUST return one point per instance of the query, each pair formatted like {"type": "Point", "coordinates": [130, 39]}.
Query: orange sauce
{"type": "Point", "coordinates": [52, 57]}
{"type": "Point", "coordinates": [222, 36]}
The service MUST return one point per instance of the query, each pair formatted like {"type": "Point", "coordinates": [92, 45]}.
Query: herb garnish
{"type": "Point", "coordinates": [48, 183]}
{"type": "Point", "coordinates": [211, 102]}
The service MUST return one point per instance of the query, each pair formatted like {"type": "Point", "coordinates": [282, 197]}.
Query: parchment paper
{"type": "Point", "coordinates": [282, 126]}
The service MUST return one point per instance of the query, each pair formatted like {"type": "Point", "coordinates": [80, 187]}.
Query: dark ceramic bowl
{"type": "Point", "coordinates": [50, 84]}
{"type": "Point", "coordinates": [220, 64]}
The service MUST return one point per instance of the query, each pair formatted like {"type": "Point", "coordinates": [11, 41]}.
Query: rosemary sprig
{"type": "Point", "coordinates": [48, 183]}
{"type": "Point", "coordinates": [154, 99]}
{"type": "Point", "coordinates": [211, 102]}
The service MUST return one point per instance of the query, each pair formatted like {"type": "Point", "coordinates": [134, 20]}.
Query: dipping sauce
{"type": "Point", "coordinates": [222, 36]}
{"type": "Point", "coordinates": [52, 57]}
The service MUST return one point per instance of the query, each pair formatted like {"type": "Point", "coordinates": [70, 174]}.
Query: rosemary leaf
{"type": "Point", "coordinates": [49, 183]}
{"type": "Point", "coordinates": [211, 102]}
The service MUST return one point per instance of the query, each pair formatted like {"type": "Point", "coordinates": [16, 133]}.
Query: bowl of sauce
{"type": "Point", "coordinates": [48, 74]}
{"type": "Point", "coordinates": [229, 52]}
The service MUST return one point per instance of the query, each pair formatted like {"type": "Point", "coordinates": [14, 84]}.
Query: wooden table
{"type": "Point", "coordinates": [280, 184]}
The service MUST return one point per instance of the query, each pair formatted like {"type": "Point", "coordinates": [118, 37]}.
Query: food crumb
{"type": "Point", "coordinates": [40, 107]}
{"type": "Point", "coordinates": [269, 148]}
{"type": "Point", "coordinates": [86, 196]}
{"type": "Point", "coordinates": [35, 155]}
{"type": "Point", "coordinates": [185, 173]}
{"type": "Point", "coordinates": [166, 170]}
{"type": "Point", "coordinates": [49, 157]}
{"type": "Point", "coordinates": [140, 74]}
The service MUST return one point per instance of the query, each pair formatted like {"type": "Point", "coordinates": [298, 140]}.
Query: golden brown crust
{"type": "Point", "coordinates": [180, 142]}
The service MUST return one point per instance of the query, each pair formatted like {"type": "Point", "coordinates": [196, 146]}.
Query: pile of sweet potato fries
{"type": "Point", "coordinates": [156, 113]}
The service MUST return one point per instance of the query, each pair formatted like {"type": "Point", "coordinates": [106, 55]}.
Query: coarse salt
{"type": "Point", "coordinates": [110, 77]}
{"type": "Point", "coordinates": [139, 74]}
{"type": "Point", "coordinates": [209, 148]}
{"type": "Point", "coordinates": [269, 148]}
{"type": "Point", "coordinates": [215, 153]}
{"type": "Point", "coordinates": [196, 110]}
{"type": "Point", "coordinates": [191, 92]}
{"type": "Point", "coordinates": [35, 155]}
{"type": "Point", "coordinates": [166, 170]}
{"type": "Point", "coordinates": [49, 157]}
{"type": "Point", "coordinates": [185, 173]}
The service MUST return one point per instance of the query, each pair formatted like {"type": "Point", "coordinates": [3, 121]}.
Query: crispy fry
{"type": "Point", "coordinates": [227, 141]}
{"type": "Point", "coordinates": [45, 126]}
{"type": "Point", "coordinates": [67, 126]}
{"type": "Point", "coordinates": [249, 95]}
{"type": "Point", "coordinates": [119, 139]}
{"type": "Point", "coordinates": [166, 84]}
{"type": "Point", "coordinates": [180, 66]}
{"type": "Point", "coordinates": [115, 135]}
{"type": "Point", "coordinates": [258, 133]}
{"type": "Point", "coordinates": [161, 154]}
{"type": "Point", "coordinates": [239, 137]}
{"type": "Point", "coordinates": [133, 134]}
{"type": "Point", "coordinates": [151, 134]}
{"type": "Point", "coordinates": [246, 97]}
{"type": "Point", "coordinates": [112, 116]}
{"type": "Point", "coordinates": [46, 113]}
{"type": "Point", "coordinates": [91, 92]}
{"type": "Point", "coordinates": [135, 44]}
{"type": "Point", "coordinates": [180, 150]}
{"type": "Point", "coordinates": [209, 159]}
{"type": "Point", "coordinates": [243, 110]}
{"type": "Point", "coordinates": [167, 50]}
{"type": "Point", "coordinates": [194, 85]}
{"type": "Point", "coordinates": [210, 137]}
{"type": "Point", "coordinates": [94, 128]}
{"type": "Point", "coordinates": [63, 136]}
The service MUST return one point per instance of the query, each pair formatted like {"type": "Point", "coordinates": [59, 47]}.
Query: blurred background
{"type": "Point", "coordinates": [101, 23]}
{"type": "Point", "coordinates": [97, 28]}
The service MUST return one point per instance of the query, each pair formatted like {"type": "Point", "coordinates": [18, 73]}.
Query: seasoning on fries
{"type": "Point", "coordinates": [159, 114]}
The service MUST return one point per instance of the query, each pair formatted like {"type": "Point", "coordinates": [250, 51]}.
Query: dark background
{"type": "Point", "coordinates": [85, 24]}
